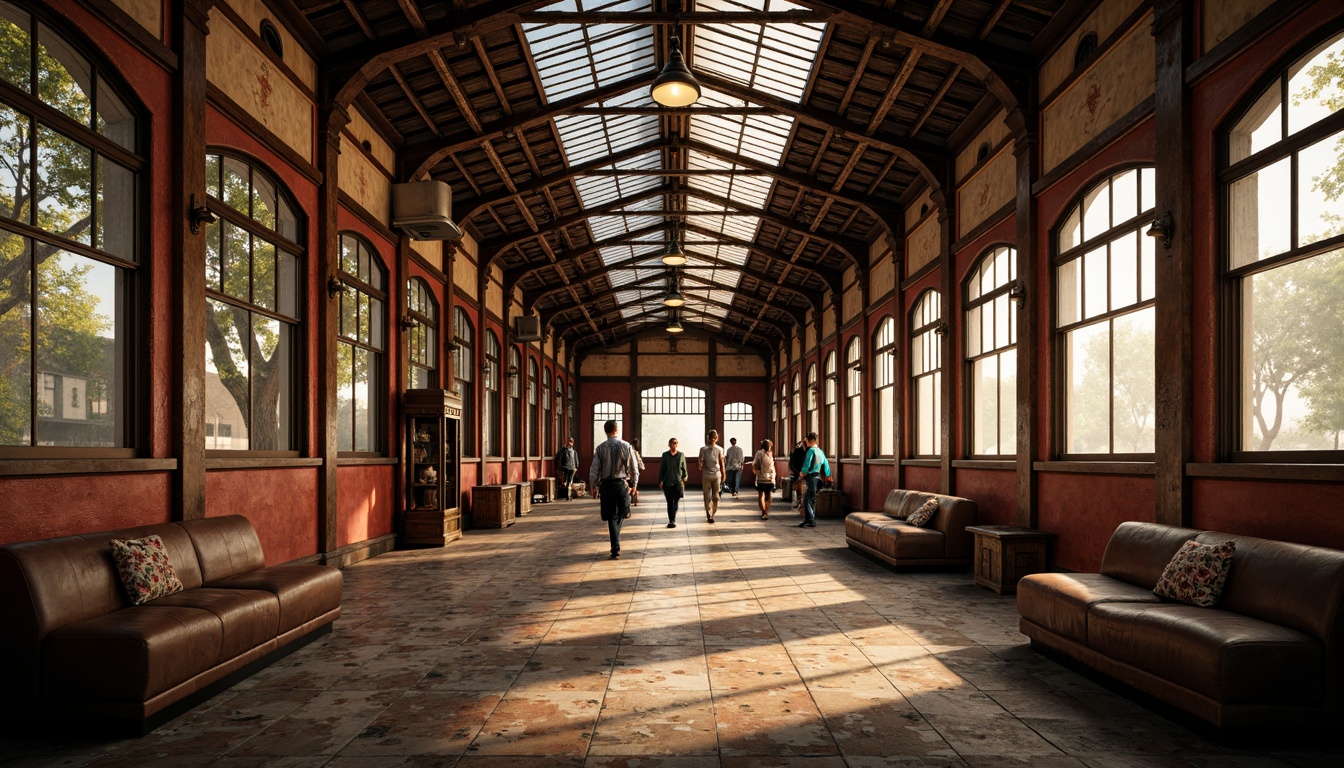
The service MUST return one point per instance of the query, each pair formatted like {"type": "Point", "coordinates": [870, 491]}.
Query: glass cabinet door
{"type": "Point", "coordinates": [426, 466]}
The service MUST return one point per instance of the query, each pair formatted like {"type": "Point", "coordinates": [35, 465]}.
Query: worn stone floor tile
{"type": "Point", "coordinates": [513, 629]}
{"type": "Point", "coordinates": [218, 730]}
{"type": "Point", "coordinates": [652, 761]}
{"type": "Point", "coordinates": [543, 723]}
{"type": "Point", "coordinates": [656, 723]}
{"type": "Point", "coordinates": [902, 761]}
{"type": "Point", "coordinates": [836, 666]}
{"type": "Point", "coordinates": [398, 668]}
{"type": "Point", "coordinates": [990, 736]}
{"type": "Point", "coordinates": [425, 723]}
{"type": "Point", "coordinates": [1034, 761]}
{"type": "Point", "coordinates": [392, 761]}
{"type": "Point", "coordinates": [518, 761]}
{"type": "Point", "coordinates": [242, 761]}
{"type": "Point", "coordinates": [965, 702]}
{"type": "Point", "coordinates": [588, 630]}
{"type": "Point", "coordinates": [781, 721]}
{"type": "Point", "coordinates": [567, 668]}
{"type": "Point", "coordinates": [879, 723]}
{"type": "Point", "coordinates": [154, 761]}
{"type": "Point", "coordinates": [485, 667]}
{"type": "Point", "coordinates": [323, 726]}
{"type": "Point", "coordinates": [781, 761]}
{"type": "Point", "coordinates": [659, 668]}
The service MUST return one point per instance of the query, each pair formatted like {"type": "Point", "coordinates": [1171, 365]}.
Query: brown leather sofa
{"type": "Point", "coordinates": [886, 536]}
{"type": "Point", "coordinates": [71, 646]}
{"type": "Point", "coordinates": [1270, 652]}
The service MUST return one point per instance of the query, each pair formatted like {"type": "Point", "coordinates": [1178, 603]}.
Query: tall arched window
{"type": "Point", "coordinates": [422, 360]}
{"type": "Point", "coordinates": [797, 407]}
{"type": "Point", "coordinates": [572, 430]}
{"type": "Point", "coordinates": [782, 423]}
{"type": "Point", "coordinates": [853, 397]}
{"type": "Point", "coordinates": [884, 388]}
{"type": "Point", "coordinates": [558, 428]}
{"type": "Point", "coordinates": [602, 413]}
{"type": "Point", "coordinates": [464, 377]}
{"type": "Point", "coordinates": [832, 404]}
{"type": "Point", "coordinates": [360, 340]}
{"type": "Point", "coordinates": [926, 375]}
{"type": "Point", "coordinates": [813, 388]}
{"type": "Point", "coordinates": [491, 406]}
{"type": "Point", "coordinates": [70, 203]}
{"type": "Point", "coordinates": [991, 353]}
{"type": "Point", "coordinates": [514, 373]}
{"type": "Point", "coordinates": [1281, 172]}
{"type": "Point", "coordinates": [533, 425]}
{"type": "Point", "coordinates": [547, 426]}
{"type": "Point", "coordinates": [1104, 319]}
{"type": "Point", "coordinates": [739, 422]}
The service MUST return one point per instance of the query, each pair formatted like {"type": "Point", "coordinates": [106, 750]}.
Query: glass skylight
{"type": "Point", "coordinates": [579, 58]}
{"type": "Point", "coordinates": [773, 58]}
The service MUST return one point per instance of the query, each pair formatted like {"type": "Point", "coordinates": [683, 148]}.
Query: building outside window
{"type": "Point", "coordinates": [1284, 246]}
{"type": "Point", "coordinates": [464, 377]}
{"type": "Point", "coordinates": [1104, 316]}
{"type": "Point", "coordinates": [853, 398]}
{"type": "Point", "coordinates": [884, 388]}
{"type": "Point", "coordinates": [926, 375]}
{"type": "Point", "coordinates": [360, 338]}
{"type": "Point", "coordinates": [991, 354]}
{"type": "Point", "coordinates": [739, 422]}
{"type": "Point", "coordinates": [422, 371]}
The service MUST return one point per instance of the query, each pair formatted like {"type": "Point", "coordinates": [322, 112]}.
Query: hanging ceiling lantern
{"type": "Point", "coordinates": [674, 326]}
{"type": "Point", "coordinates": [674, 256]}
{"type": "Point", "coordinates": [674, 297]}
{"type": "Point", "coordinates": [675, 86]}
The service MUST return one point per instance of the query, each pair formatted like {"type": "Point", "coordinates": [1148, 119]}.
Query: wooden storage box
{"type": "Point", "coordinates": [523, 498]}
{"type": "Point", "coordinates": [830, 504]}
{"type": "Point", "coordinates": [493, 506]}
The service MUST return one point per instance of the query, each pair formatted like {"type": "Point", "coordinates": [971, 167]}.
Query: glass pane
{"type": "Point", "coordinates": [973, 285]}
{"type": "Point", "coordinates": [1261, 126]}
{"type": "Point", "coordinates": [287, 222]}
{"type": "Point", "coordinates": [263, 275]}
{"type": "Point", "coordinates": [917, 358]}
{"type": "Point", "coordinates": [1125, 270]}
{"type": "Point", "coordinates": [363, 400]}
{"type": "Point", "coordinates": [272, 363]}
{"type": "Point", "coordinates": [116, 209]}
{"type": "Point", "coordinates": [349, 324]}
{"type": "Point", "coordinates": [984, 406]}
{"type": "Point", "coordinates": [15, 63]}
{"type": "Point", "coordinates": [1094, 283]}
{"type": "Point", "coordinates": [855, 417]}
{"type": "Point", "coordinates": [1008, 402]}
{"type": "Point", "coordinates": [345, 397]}
{"type": "Point", "coordinates": [64, 79]}
{"type": "Point", "coordinates": [886, 415]}
{"type": "Point", "coordinates": [363, 332]}
{"type": "Point", "coordinates": [237, 190]}
{"type": "Point", "coordinates": [1314, 88]}
{"type": "Point", "coordinates": [1292, 381]}
{"type": "Point", "coordinates": [1097, 211]}
{"type": "Point", "coordinates": [1259, 212]}
{"type": "Point", "coordinates": [287, 284]}
{"type": "Point", "coordinates": [1147, 268]}
{"type": "Point", "coordinates": [16, 350]}
{"type": "Point", "coordinates": [1125, 195]}
{"type": "Point", "coordinates": [115, 120]}
{"type": "Point", "coordinates": [1134, 388]}
{"type": "Point", "coordinates": [1071, 234]}
{"type": "Point", "coordinates": [64, 186]}
{"type": "Point", "coordinates": [1148, 189]}
{"type": "Point", "coordinates": [1001, 314]}
{"type": "Point", "coordinates": [1087, 368]}
{"type": "Point", "coordinates": [213, 256]}
{"type": "Point", "coordinates": [237, 261]}
{"type": "Point", "coordinates": [263, 201]}
{"type": "Point", "coordinates": [376, 315]}
{"type": "Point", "coordinates": [973, 332]}
{"type": "Point", "coordinates": [1320, 182]}
{"type": "Point", "coordinates": [227, 386]}
{"type": "Point", "coordinates": [1068, 293]}
{"type": "Point", "coordinates": [212, 176]}
{"type": "Point", "coordinates": [16, 135]}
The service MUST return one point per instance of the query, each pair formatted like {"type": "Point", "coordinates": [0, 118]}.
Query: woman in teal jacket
{"type": "Point", "coordinates": [672, 479]}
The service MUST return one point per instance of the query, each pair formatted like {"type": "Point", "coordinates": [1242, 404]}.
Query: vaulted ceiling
{"type": "Point", "coordinates": [817, 119]}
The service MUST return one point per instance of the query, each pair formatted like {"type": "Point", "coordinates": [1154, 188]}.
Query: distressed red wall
{"type": "Point", "coordinates": [281, 503]}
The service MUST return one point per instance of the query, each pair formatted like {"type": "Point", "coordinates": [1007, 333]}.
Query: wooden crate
{"type": "Point", "coordinates": [493, 506]}
{"type": "Point", "coordinates": [830, 504]}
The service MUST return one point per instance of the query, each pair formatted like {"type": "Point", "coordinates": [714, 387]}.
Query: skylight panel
{"type": "Point", "coordinates": [749, 189]}
{"type": "Point", "coordinates": [772, 58]}
{"type": "Point", "coordinates": [578, 58]}
{"type": "Point", "coordinates": [626, 254]}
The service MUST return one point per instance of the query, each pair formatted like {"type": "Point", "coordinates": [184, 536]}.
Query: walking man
{"type": "Point", "coordinates": [567, 465]}
{"type": "Point", "coordinates": [612, 475]}
{"type": "Point", "coordinates": [711, 473]}
{"type": "Point", "coordinates": [814, 464]}
{"type": "Point", "coordinates": [733, 461]}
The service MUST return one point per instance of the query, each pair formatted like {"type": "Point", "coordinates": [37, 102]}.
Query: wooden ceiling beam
{"type": "Point", "coordinates": [893, 92]}
{"type": "Point", "coordinates": [682, 315]}
{"type": "Point", "coordinates": [359, 19]}
{"type": "Point", "coordinates": [496, 248]}
{"type": "Point", "coordinates": [676, 18]}
{"type": "Point", "coordinates": [935, 17]}
{"type": "Point", "coordinates": [993, 19]}
{"type": "Point", "coordinates": [537, 298]}
{"type": "Point", "coordinates": [861, 65]}
{"type": "Point", "coordinates": [765, 253]}
{"type": "Point", "coordinates": [415, 102]}
{"type": "Point", "coordinates": [937, 97]}
{"type": "Point", "coordinates": [782, 329]}
{"type": "Point", "coordinates": [518, 274]}
{"type": "Point", "coordinates": [773, 218]}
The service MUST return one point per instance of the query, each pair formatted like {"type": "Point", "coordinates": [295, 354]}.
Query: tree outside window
{"type": "Point", "coordinates": [926, 375]}
{"type": "Point", "coordinates": [853, 398]}
{"type": "Point", "coordinates": [421, 356]}
{"type": "Point", "coordinates": [991, 353]}
{"type": "Point", "coordinates": [360, 340]}
{"type": "Point", "coordinates": [464, 377]}
{"type": "Point", "coordinates": [884, 388]}
{"type": "Point", "coordinates": [491, 405]}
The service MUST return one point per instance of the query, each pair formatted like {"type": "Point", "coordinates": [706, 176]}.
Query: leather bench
{"type": "Point", "coordinates": [887, 536]}
{"type": "Point", "coordinates": [72, 646]}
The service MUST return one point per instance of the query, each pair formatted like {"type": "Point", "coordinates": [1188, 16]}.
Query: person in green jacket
{"type": "Point", "coordinates": [672, 479]}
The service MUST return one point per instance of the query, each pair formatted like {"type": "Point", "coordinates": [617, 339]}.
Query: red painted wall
{"type": "Point", "coordinates": [994, 493]}
{"type": "Point", "coordinates": [281, 503]}
{"type": "Point", "coordinates": [922, 479]}
{"type": "Point", "coordinates": [45, 507]}
{"type": "Point", "coordinates": [1084, 510]}
{"type": "Point", "coordinates": [364, 502]}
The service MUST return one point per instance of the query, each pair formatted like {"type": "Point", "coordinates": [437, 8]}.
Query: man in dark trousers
{"type": "Point", "coordinates": [611, 476]}
{"type": "Point", "coordinates": [815, 466]}
{"type": "Point", "coordinates": [796, 467]}
{"type": "Point", "coordinates": [567, 465]}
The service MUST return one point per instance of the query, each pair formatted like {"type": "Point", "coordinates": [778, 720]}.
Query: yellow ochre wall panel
{"type": "Point", "coordinates": [236, 67]}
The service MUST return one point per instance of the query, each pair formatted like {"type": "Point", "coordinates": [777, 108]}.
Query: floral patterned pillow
{"type": "Point", "coordinates": [145, 571]}
{"type": "Point", "coordinates": [921, 517]}
{"type": "Point", "coordinates": [1196, 574]}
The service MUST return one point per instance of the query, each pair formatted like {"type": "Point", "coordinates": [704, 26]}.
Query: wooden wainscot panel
{"type": "Point", "coordinates": [882, 274]}
{"type": "Point", "coordinates": [494, 292]}
{"type": "Point", "coordinates": [1221, 19]}
{"type": "Point", "coordinates": [921, 246]}
{"type": "Point", "coordinates": [991, 136]}
{"type": "Point", "coordinates": [991, 188]}
{"type": "Point", "coordinates": [382, 152]}
{"type": "Point", "coordinates": [432, 252]}
{"type": "Point", "coordinates": [739, 365]}
{"type": "Point", "coordinates": [657, 366]}
{"type": "Point", "coordinates": [1118, 82]}
{"type": "Point", "coordinates": [1103, 23]}
{"type": "Point", "coordinates": [235, 66]}
{"type": "Point", "coordinates": [148, 13]}
{"type": "Point", "coordinates": [296, 58]}
{"type": "Point", "coordinates": [464, 269]}
{"type": "Point", "coordinates": [365, 183]}
{"type": "Point", "coordinates": [605, 365]}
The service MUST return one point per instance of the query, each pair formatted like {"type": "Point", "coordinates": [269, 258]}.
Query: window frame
{"type": "Point", "coordinates": [546, 429]}
{"type": "Point", "coordinates": [378, 367]}
{"type": "Point", "coordinates": [885, 326]}
{"type": "Point", "coordinates": [464, 362]}
{"type": "Point", "coordinates": [853, 396]}
{"type": "Point", "coordinates": [514, 415]}
{"type": "Point", "coordinates": [931, 333]}
{"type": "Point", "coordinates": [831, 402]}
{"type": "Point", "coordinates": [615, 411]}
{"type": "Point", "coordinates": [533, 435]}
{"type": "Point", "coordinates": [796, 409]}
{"type": "Point", "coordinates": [490, 374]}
{"type": "Point", "coordinates": [813, 400]}
{"type": "Point", "coordinates": [969, 304]}
{"type": "Point", "coordinates": [417, 285]}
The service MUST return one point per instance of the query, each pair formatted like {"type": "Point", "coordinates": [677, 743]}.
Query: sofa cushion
{"type": "Point", "coordinates": [1059, 601]}
{"type": "Point", "coordinates": [247, 618]}
{"type": "Point", "coordinates": [1139, 552]}
{"type": "Point", "coordinates": [225, 546]}
{"type": "Point", "coordinates": [144, 568]}
{"type": "Point", "coordinates": [1269, 580]}
{"type": "Point", "coordinates": [1196, 573]}
{"type": "Point", "coordinates": [305, 592]}
{"type": "Point", "coordinates": [907, 542]}
{"type": "Point", "coordinates": [129, 655]}
{"type": "Point", "coordinates": [1230, 658]}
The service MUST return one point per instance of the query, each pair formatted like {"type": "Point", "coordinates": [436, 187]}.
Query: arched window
{"type": "Point", "coordinates": [533, 425]}
{"type": "Point", "coordinates": [832, 404]}
{"type": "Point", "coordinates": [738, 422]}
{"type": "Point", "coordinates": [558, 425]}
{"type": "Point", "coordinates": [71, 197]}
{"type": "Point", "coordinates": [359, 348]}
{"type": "Point", "coordinates": [853, 397]}
{"type": "Point", "coordinates": [1104, 319]}
{"type": "Point", "coordinates": [464, 377]}
{"type": "Point", "coordinates": [514, 373]}
{"type": "Point", "coordinates": [547, 426]}
{"type": "Point", "coordinates": [569, 414]}
{"type": "Point", "coordinates": [991, 353]}
{"type": "Point", "coordinates": [602, 413]}
{"type": "Point", "coordinates": [797, 407]}
{"type": "Point", "coordinates": [422, 360]}
{"type": "Point", "coordinates": [926, 375]}
{"type": "Point", "coordinates": [782, 423]}
{"type": "Point", "coordinates": [813, 413]}
{"type": "Point", "coordinates": [1281, 172]}
{"type": "Point", "coordinates": [253, 286]}
{"type": "Point", "coordinates": [884, 388]}
{"type": "Point", "coordinates": [491, 405]}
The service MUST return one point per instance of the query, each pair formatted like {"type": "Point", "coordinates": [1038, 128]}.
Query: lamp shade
{"type": "Point", "coordinates": [674, 298]}
{"type": "Point", "coordinates": [675, 86]}
{"type": "Point", "coordinates": [674, 326]}
{"type": "Point", "coordinates": [674, 256]}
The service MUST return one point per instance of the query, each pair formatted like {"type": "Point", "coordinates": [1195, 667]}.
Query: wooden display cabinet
{"type": "Point", "coordinates": [433, 509]}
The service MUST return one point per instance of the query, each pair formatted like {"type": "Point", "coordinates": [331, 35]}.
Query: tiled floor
{"type": "Point", "coordinates": [745, 644]}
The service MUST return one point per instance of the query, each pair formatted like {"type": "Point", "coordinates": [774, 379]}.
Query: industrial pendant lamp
{"type": "Point", "coordinates": [675, 85]}
{"type": "Point", "coordinates": [674, 256]}
{"type": "Point", "coordinates": [674, 297]}
{"type": "Point", "coordinates": [673, 325]}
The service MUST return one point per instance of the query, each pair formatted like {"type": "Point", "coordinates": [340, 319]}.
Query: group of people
{"type": "Point", "coordinates": [613, 476]}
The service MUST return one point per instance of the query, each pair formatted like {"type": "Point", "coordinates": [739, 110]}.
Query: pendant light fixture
{"type": "Point", "coordinates": [674, 256]}
{"type": "Point", "coordinates": [674, 297]}
{"type": "Point", "coordinates": [675, 86]}
{"type": "Point", "coordinates": [673, 326]}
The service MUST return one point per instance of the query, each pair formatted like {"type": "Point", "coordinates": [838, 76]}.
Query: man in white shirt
{"type": "Point", "coordinates": [711, 473]}
{"type": "Point", "coordinates": [733, 461]}
{"type": "Point", "coordinates": [611, 476]}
